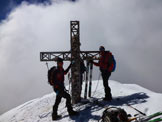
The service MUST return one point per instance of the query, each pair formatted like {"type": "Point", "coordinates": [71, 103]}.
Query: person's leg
{"type": "Point", "coordinates": [105, 77]}
{"type": "Point", "coordinates": [55, 106]}
{"type": "Point", "coordinates": [68, 104]}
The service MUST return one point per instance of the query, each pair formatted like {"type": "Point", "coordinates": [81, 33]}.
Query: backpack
{"type": "Point", "coordinates": [112, 61]}
{"type": "Point", "coordinates": [50, 75]}
{"type": "Point", "coordinates": [114, 114]}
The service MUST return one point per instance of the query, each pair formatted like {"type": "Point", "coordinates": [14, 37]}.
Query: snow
{"type": "Point", "coordinates": [40, 109]}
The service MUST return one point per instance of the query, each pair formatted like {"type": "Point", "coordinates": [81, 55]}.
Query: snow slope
{"type": "Point", "coordinates": [39, 110]}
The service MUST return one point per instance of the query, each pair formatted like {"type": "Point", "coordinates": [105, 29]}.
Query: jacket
{"type": "Point", "coordinates": [58, 78]}
{"type": "Point", "coordinates": [105, 62]}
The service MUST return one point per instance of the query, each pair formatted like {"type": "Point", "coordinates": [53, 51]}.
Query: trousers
{"type": "Point", "coordinates": [105, 76]}
{"type": "Point", "coordinates": [62, 94]}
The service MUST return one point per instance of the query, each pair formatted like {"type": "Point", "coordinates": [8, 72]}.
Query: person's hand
{"type": "Point", "coordinates": [72, 62]}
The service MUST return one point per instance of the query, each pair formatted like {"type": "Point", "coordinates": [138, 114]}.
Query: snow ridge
{"type": "Point", "coordinates": [40, 109]}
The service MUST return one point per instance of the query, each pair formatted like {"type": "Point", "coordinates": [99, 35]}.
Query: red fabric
{"type": "Point", "coordinates": [104, 62]}
{"type": "Point", "coordinates": [111, 67]}
{"type": "Point", "coordinates": [60, 75]}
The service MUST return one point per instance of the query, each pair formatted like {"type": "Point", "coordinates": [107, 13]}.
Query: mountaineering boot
{"type": "Point", "coordinates": [73, 113]}
{"type": "Point", "coordinates": [107, 98]}
{"type": "Point", "coordinates": [56, 117]}
{"type": "Point", "coordinates": [70, 110]}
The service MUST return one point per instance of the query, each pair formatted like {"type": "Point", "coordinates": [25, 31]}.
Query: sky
{"type": "Point", "coordinates": [132, 30]}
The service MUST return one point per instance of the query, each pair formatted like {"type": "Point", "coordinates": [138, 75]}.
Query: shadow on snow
{"type": "Point", "coordinates": [87, 111]}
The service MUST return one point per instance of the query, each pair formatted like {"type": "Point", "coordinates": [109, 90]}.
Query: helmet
{"type": "Point", "coordinates": [101, 48]}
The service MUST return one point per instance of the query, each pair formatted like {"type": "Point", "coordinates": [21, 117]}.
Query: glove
{"type": "Point", "coordinates": [72, 62]}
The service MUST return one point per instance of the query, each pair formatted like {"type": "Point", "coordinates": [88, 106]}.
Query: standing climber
{"type": "Point", "coordinates": [57, 80]}
{"type": "Point", "coordinates": [107, 65]}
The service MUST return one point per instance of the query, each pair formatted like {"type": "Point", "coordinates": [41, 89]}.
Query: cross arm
{"type": "Point", "coordinates": [66, 55]}
{"type": "Point", "coordinates": [52, 56]}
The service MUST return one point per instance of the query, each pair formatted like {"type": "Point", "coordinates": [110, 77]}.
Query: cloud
{"type": "Point", "coordinates": [131, 30]}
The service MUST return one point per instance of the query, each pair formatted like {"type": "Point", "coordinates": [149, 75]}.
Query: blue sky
{"type": "Point", "coordinates": [6, 6]}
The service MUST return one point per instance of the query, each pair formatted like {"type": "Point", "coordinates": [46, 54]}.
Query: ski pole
{"type": "Point", "coordinates": [47, 65]}
{"type": "Point", "coordinates": [90, 80]}
{"type": "Point", "coordinates": [86, 82]}
{"type": "Point", "coordinates": [69, 78]}
{"type": "Point", "coordinates": [96, 85]}
{"type": "Point", "coordinates": [136, 109]}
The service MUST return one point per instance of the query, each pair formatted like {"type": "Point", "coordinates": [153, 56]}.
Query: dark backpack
{"type": "Point", "coordinates": [114, 114]}
{"type": "Point", "coordinates": [112, 61]}
{"type": "Point", "coordinates": [50, 75]}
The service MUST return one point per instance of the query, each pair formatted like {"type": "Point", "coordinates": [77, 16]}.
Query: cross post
{"type": "Point", "coordinates": [74, 55]}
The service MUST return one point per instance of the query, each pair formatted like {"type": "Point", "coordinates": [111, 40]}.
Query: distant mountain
{"type": "Point", "coordinates": [39, 110]}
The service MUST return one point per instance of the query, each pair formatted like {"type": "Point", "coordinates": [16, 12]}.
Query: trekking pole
{"type": "Point", "coordinates": [136, 109]}
{"type": "Point", "coordinates": [47, 65]}
{"type": "Point", "coordinates": [86, 82]}
{"type": "Point", "coordinates": [69, 78]}
{"type": "Point", "coordinates": [90, 79]}
{"type": "Point", "coordinates": [96, 85]}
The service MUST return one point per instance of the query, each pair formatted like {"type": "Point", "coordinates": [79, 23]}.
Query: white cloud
{"type": "Point", "coordinates": [130, 29]}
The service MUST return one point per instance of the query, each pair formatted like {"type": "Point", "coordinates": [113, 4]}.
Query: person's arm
{"type": "Point", "coordinates": [67, 70]}
{"type": "Point", "coordinates": [95, 63]}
